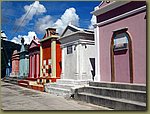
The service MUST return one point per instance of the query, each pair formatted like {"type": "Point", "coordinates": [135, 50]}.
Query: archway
{"type": "Point", "coordinates": [121, 57]}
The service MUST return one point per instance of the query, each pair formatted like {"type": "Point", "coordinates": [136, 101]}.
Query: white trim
{"type": "Point", "coordinates": [121, 16]}
{"type": "Point", "coordinates": [97, 59]}
{"type": "Point", "coordinates": [80, 41]}
{"type": "Point", "coordinates": [109, 7]}
{"type": "Point", "coordinates": [74, 27]}
{"type": "Point", "coordinates": [78, 32]}
{"type": "Point", "coordinates": [63, 64]}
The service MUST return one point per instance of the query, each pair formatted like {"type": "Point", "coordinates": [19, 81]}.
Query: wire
{"type": "Point", "coordinates": [23, 19]}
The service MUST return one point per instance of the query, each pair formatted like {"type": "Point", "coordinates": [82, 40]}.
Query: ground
{"type": "Point", "coordinates": [14, 97]}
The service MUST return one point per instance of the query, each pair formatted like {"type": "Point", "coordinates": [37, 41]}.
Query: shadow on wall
{"type": "Point", "coordinates": [92, 60]}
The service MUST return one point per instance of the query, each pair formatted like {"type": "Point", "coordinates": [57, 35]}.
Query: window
{"type": "Point", "coordinates": [69, 49]}
{"type": "Point", "coordinates": [120, 42]}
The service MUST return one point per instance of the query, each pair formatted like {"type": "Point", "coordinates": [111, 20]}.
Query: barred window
{"type": "Point", "coordinates": [69, 49]}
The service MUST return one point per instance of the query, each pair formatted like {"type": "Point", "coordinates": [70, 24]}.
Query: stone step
{"type": "Point", "coordinates": [13, 81]}
{"type": "Point", "coordinates": [58, 91]}
{"type": "Point", "coordinates": [72, 82]}
{"type": "Point", "coordinates": [114, 103]}
{"type": "Point", "coordinates": [65, 86]}
{"type": "Point", "coordinates": [23, 85]}
{"type": "Point", "coordinates": [134, 95]}
{"type": "Point", "coordinates": [140, 87]}
{"type": "Point", "coordinates": [37, 87]}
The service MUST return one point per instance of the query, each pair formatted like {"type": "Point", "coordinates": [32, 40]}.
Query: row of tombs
{"type": "Point", "coordinates": [114, 52]}
{"type": "Point", "coordinates": [71, 57]}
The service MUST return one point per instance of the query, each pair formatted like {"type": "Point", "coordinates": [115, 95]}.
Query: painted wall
{"type": "Point", "coordinates": [34, 65]}
{"type": "Point", "coordinates": [24, 62]}
{"type": "Point", "coordinates": [46, 47]}
{"type": "Point", "coordinates": [58, 60]}
{"type": "Point", "coordinates": [137, 28]}
{"type": "Point", "coordinates": [77, 65]}
{"type": "Point", "coordinates": [87, 53]}
{"type": "Point", "coordinates": [122, 67]}
{"type": "Point", "coordinates": [70, 64]}
{"type": "Point", "coordinates": [15, 64]}
{"type": "Point", "coordinates": [24, 67]}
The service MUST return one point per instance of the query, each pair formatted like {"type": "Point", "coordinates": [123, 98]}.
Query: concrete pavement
{"type": "Point", "coordinates": [14, 97]}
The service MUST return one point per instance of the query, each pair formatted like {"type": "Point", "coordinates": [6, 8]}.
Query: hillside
{"type": "Point", "coordinates": [7, 49]}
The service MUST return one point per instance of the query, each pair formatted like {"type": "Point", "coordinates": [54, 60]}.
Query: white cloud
{"type": "Point", "coordinates": [93, 21]}
{"type": "Point", "coordinates": [28, 38]}
{"type": "Point", "coordinates": [30, 10]}
{"type": "Point", "coordinates": [69, 16]}
{"type": "Point", "coordinates": [43, 23]}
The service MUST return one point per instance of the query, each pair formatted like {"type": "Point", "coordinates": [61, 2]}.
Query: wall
{"type": "Point", "coordinates": [77, 65]}
{"type": "Point", "coordinates": [58, 60]}
{"type": "Point", "coordinates": [87, 53]}
{"type": "Point", "coordinates": [70, 64]}
{"type": "Point", "coordinates": [137, 28]}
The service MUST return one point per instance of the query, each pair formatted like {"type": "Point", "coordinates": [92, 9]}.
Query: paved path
{"type": "Point", "coordinates": [14, 97]}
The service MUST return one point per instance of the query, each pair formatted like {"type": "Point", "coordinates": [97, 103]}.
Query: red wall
{"type": "Point", "coordinates": [46, 46]}
{"type": "Point", "coordinates": [47, 55]}
{"type": "Point", "coordinates": [58, 60]}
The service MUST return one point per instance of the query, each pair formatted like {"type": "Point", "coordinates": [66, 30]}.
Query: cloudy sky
{"type": "Point", "coordinates": [28, 19]}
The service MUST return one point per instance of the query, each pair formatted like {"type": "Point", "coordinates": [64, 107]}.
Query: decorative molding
{"type": "Point", "coordinates": [121, 16]}
{"type": "Point", "coordinates": [78, 32]}
{"type": "Point", "coordinates": [109, 7]}
{"type": "Point", "coordinates": [77, 42]}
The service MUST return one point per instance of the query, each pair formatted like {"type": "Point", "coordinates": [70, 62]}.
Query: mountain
{"type": "Point", "coordinates": [7, 48]}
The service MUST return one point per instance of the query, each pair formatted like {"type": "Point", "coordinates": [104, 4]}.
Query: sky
{"type": "Point", "coordinates": [31, 18]}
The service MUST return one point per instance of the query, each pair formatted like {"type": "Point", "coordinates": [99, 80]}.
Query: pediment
{"type": "Point", "coordinates": [69, 30]}
{"type": "Point", "coordinates": [33, 44]}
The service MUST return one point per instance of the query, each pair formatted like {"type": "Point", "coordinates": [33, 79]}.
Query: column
{"type": "Point", "coordinates": [35, 65]}
{"type": "Point", "coordinates": [97, 59]}
{"type": "Point", "coordinates": [41, 57]}
{"type": "Point", "coordinates": [29, 66]}
{"type": "Point", "coordinates": [32, 66]}
{"type": "Point", "coordinates": [78, 64]}
{"type": "Point", "coordinates": [53, 57]}
{"type": "Point", "coordinates": [63, 63]}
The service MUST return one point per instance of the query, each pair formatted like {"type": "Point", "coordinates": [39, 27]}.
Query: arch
{"type": "Point", "coordinates": [130, 54]}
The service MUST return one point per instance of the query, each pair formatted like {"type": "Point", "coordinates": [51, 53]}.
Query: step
{"type": "Point", "coordinates": [114, 103]}
{"type": "Point", "coordinates": [134, 95]}
{"type": "Point", "coordinates": [72, 82]}
{"type": "Point", "coordinates": [58, 91]}
{"type": "Point", "coordinates": [11, 81]}
{"type": "Point", "coordinates": [23, 84]}
{"type": "Point", "coordinates": [37, 87]}
{"type": "Point", "coordinates": [65, 86]}
{"type": "Point", "coordinates": [140, 87]}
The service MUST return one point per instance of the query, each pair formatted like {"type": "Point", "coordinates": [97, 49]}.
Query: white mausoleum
{"type": "Point", "coordinates": [78, 54]}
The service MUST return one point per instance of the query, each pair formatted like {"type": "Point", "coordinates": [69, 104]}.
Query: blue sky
{"type": "Point", "coordinates": [20, 18]}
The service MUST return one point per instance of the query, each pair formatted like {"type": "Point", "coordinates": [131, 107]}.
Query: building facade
{"type": "Point", "coordinates": [121, 41]}
{"type": "Point", "coordinates": [24, 61]}
{"type": "Point", "coordinates": [34, 59]}
{"type": "Point", "coordinates": [15, 64]}
{"type": "Point", "coordinates": [50, 57]}
{"type": "Point", "coordinates": [78, 54]}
